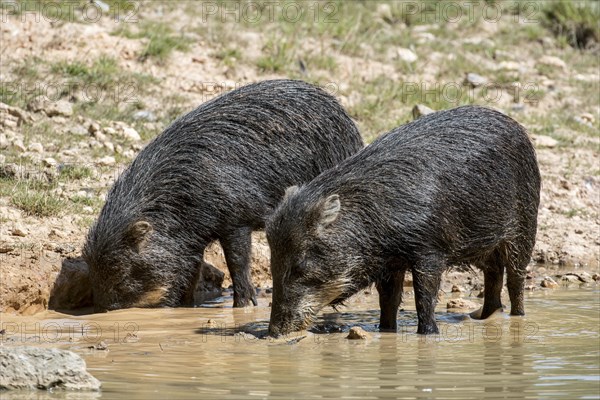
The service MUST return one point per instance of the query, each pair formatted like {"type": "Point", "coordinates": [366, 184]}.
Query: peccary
{"type": "Point", "coordinates": [214, 173]}
{"type": "Point", "coordinates": [452, 188]}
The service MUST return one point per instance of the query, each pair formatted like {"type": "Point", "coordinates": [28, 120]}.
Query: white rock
{"type": "Point", "coordinates": [61, 107]}
{"type": "Point", "coordinates": [18, 145]}
{"type": "Point", "coordinates": [419, 110]}
{"type": "Point", "coordinates": [131, 134]}
{"type": "Point", "coordinates": [4, 143]}
{"type": "Point", "coordinates": [36, 148]}
{"type": "Point", "coordinates": [406, 55]}
{"type": "Point", "coordinates": [476, 80]}
{"type": "Point", "coordinates": [552, 62]}
{"type": "Point", "coordinates": [19, 230]}
{"type": "Point", "coordinates": [509, 66]}
{"type": "Point", "coordinates": [49, 162]}
{"type": "Point", "coordinates": [107, 161]}
{"type": "Point", "coordinates": [87, 209]}
{"type": "Point", "coordinates": [109, 145]}
{"type": "Point", "coordinates": [384, 11]}
{"type": "Point", "coordinates": [544, 141]}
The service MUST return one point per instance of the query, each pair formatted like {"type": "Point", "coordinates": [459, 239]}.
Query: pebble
{"type": "Point", "coordinates": [107, 161]}
{"type": "Point", "coordinates": [509, 66]}
{"type": "Point", "coordinates": [456, 289]}
{"type": "Point", "coordinates": [144, 115]}
{"type": "Point", "coordinates": [109, 145]}
{"type": "Point", "coordinates": [549, 283]}
{"type": "Point", "coordinates": [4, 143]}
{"type": "Point", "coordinates": [570, 278]}
{"type": "Point", "coordinates": [552, 62]}
{"type": "Point", "coordinates": [358, 333]}
{"type": "Point", "coordinates": [131, 134]}
{"type": "Point", "coordinates": [406, 55]}
{"type": "Point", "coordinates": [77, 130]}
{"type": "Point", "coordinates": [19, 146]}
{"type": "Point", "coordinates": [61, 107]}
{"type": "Point", "coordinates": [18, 230]}
{"type": "Point", "coordinates": [49, 162]}
{"type": "Point", "coordinates": [36, 147]}
{"type": "Point", "coordinates": [462, 304]}
{"type": "Point", "coordinates": [544, 141]}
{"type": "Point", "coordinates": [88, 209]}
{"type": "Point", "coordinates": [419, 110]}
{"type": "Point", "coordinates": [93, 127]}
{"type": "Point", "coordinates": [475, 80]}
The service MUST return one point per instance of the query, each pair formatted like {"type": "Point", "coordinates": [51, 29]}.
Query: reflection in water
{"type": "Point", "coordinates": [220, 352]}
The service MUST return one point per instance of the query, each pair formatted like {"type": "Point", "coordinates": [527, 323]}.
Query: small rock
{"type": "Point", "coordinates": [462, 304]}
{"type": "Point", "coordinates": [49, 162]}
{"type": "Point", "coordinates": [509, 66]}
{"type": "Point", "coordinates": [6, 247]}
{"type": "Point", "coordinates": [129, 153]}
{"type": "Point", "coordinates": [93, 127]}
{"type": "Point", "coordinates": [56, 233]}
{"type": "Point", "coordinates": [77, 130]}
{"type": "Point", "coordinates": [144, 115]}
{"type": "Point", "coordinates": [552, 62]}
{"type": "Point", "coordinates": [583, 121]}
{"type": "Point", "coordinates": [584, 277]}
{"type": "Point", "coordinates": [456, 289]}
{"type": "Point", "coordinates": [110, 131]}
{"type": "Point", "coordinates": [99, 136]}
{"type": "Point", "coordinates": [425, 37]}
{"type": "Point", "coordinates": [544, 141]}
{"type": "Point", "coordinates": [36, 148]}
{"type": "Point", "coordinates": [131, 134]}
{"type": "Point", "coordinates": [87, 209]}
{"type": "Point", "coordinates": [107, 161]}
{"type": "Point", "coordinates": [4, 143]}
{"type": "Point", "coordinates": [19, 146]}
{"type": "Point", "coordinates": [419, 110]}
{"type": "Point", "coordinates": [518, 107]}
{"type": "Point", "coordinates": [549, 283]}
{"type": "Point", "coordinates": [61, 107]}
{"type": "Point", "coordinates": [18, 230]}
{"type": "Point", "coordinates": [102, 346]}
{"type": "Point", "coordinates": [357, 333]}
{"type": "Point", "coordinates": [596, 277]}
{"type": "Point", "coordinates": [475, 80]}
{"type": "Point", "coordinates": [34, 368]}
{"type": "Point", "coordinates": [570, 278]}
{"type": "Point", "coordinates": [109, 145]}
{"type": "Point", "coordinates": [38, 103]}
{"type": "Point", "coordinates": [587, 117]}
{"type": "Point", "coordinates": [384, 11]}
{"type": "Point", "coordinates": [406, 55]}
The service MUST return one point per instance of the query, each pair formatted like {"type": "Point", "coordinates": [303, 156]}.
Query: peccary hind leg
{"type": "Point", "coordinates": [427, 275]}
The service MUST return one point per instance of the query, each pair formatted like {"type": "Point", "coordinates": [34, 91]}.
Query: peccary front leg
{"type": "Point", "coordinates": [390, 297]}
{"type": "Point", "coordinates": [427, 276]}
{"type": "Point", "coordinates": [236, 246]}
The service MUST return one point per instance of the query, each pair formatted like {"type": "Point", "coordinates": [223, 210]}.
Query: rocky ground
{"type": "Point", "coordinates": [80, 98]}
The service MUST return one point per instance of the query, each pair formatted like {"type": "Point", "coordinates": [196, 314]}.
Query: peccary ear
{"type": "Point", "coordinates": [330, 209]}
{"type": "Point", "coordinates": [290, 191]}
{"type": "Point", "coordinates": [138, 232]}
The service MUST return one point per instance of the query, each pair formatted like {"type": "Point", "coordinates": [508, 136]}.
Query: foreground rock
{"type": "Point", "coordinates": [36, 368]}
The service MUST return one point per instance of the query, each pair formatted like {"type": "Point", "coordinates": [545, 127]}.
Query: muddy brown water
{"type": "Point", "coordinates": [193, 353]}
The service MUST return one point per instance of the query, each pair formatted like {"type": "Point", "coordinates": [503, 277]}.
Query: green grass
{"type": "Point", "coordinates": [161, 40]}
{"type": "Point", "coordinates": [575, 21]}
{"type": "Point", "coordinates": [32, 196]}
{"type": "Point", "coordinates": [73, 172]}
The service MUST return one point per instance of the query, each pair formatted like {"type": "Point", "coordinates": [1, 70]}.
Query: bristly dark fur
{"type": "Point", "coordinates": [215, 173]}
{"type": "Point", "coordinates": [456, 187]}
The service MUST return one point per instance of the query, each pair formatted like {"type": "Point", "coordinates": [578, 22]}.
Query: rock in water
{"type": "Point", "coordinates": [33, 368]}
